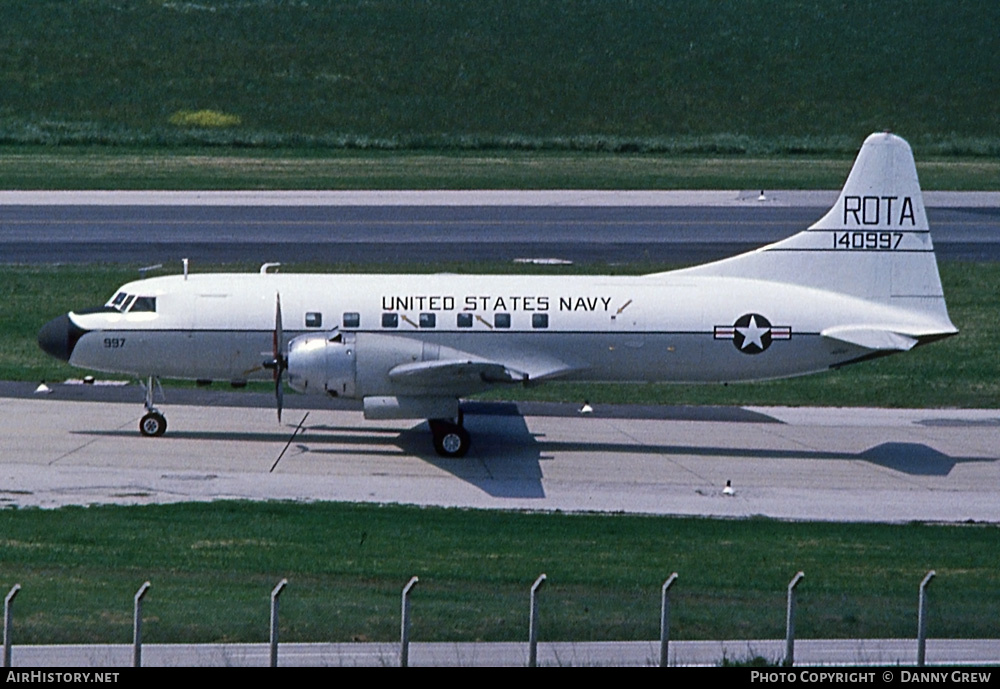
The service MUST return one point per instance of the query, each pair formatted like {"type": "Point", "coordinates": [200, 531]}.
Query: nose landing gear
{"type": "Point", "coordinates": [153, 424]}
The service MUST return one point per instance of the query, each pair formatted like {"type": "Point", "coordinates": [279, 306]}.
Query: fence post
{"type": "Point", "coordinates": [274, 620]}
{"type": "Point", "coordinates": [533, 622]}
{"type": "Point", "coordinates": [137, 625]}
{"type": "Point", "coordinates": [665, 618]}
{"type": "Point", "coordinates": [922, 618]}
{"type": "Point", "coordinates": [790, 621]}
{"type": "Point", "coordinates": [404, 626]}
{"type": "Point", "coordinates": [8, 623]}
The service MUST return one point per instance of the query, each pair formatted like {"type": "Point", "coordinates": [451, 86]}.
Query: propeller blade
{"type": "Point", "coordinates": [280, 362]}
{"type": "Point", "coordinates": [279, 331]}
{"type": "Point", "coordinates": [279, 395]}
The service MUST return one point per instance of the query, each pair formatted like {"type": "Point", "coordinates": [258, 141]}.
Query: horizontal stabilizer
{"type": "Point", "coordinates": [872, 338]}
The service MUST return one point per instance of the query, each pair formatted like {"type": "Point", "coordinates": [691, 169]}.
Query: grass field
{"type": "Point", "coordinates": [782, 77]}
{"type": "Point", "coordinates": [268, 94]}
{"type": "Point", "coordinates": [102, 167]}
{"type": "Point", "coordinates": [212, 567]}
{"type": "Point", "coordinates": [962, 371]}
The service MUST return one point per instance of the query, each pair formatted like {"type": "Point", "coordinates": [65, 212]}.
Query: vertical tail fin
{"type": "Point", "coordinates": [874, 243]}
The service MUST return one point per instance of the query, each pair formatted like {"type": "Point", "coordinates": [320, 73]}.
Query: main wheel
{"type": "Point", "coordinates": [450, 440]}
{"type": "Point", "coordinates": [153, 424]}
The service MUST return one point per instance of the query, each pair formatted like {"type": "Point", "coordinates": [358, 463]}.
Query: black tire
{"type": "Point", "coordinates": [450, 440]}
{"type": "Point", "coordinates": [153, 425]}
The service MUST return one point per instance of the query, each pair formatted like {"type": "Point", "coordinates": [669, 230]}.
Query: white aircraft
{"type": "Point", "coordinates": [860, 283]}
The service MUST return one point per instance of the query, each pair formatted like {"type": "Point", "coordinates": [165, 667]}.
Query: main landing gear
{"type": "Point", "coordinates": [450, 438]}
{"type": "Point", "coordinates": [153, 424]}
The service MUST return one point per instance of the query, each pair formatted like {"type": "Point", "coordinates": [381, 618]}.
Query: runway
{"type": "Point", "coordinates": [666, 228]}
{"type": "Point", "coordinates": [788, 463]}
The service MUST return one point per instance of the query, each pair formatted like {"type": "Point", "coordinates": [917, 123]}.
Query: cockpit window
{"type": "Point", "coordinates": [129, 302]}
{"type": "Point", "coordinates": [144, 304]}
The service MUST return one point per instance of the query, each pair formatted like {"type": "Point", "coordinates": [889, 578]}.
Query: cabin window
{"type": "Point", "coordinates": [501, 320]}
{"type": "Point", "coordinates": [352, 320]}
{"type": "Point", "coordinates": [128, 303]}
{"type": "Point", "coordinates": [314, 319]}
{"type": "Point", "coordinates": [144, 304]}
{"type": "Point", "coordinates": [539, 320]}
{"type": "Point", "coordinates": [390, 320]}
{"type": "Point", "coordinates": [464, 320]}
{"type": "Point", "coordinates": [428, 320]}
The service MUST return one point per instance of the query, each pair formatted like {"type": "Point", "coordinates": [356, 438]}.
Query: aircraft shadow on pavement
{"type": "Point", "coordinates": [910, 458]}
{"type": "Point", "coordinates": [504, 460]}
{"type": "Point", "coordinates": [916, 459]}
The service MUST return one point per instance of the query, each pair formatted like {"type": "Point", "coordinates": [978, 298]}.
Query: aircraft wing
{"type": "Point", "coordinates": [437, 373]}
{"type": "Point", "coordinates": [453, 369]}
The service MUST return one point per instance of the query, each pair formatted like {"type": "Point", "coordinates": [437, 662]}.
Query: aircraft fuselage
{"type": "Point", "coordinates": [221, 327]}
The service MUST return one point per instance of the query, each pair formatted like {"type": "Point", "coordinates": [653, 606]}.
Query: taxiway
{"type": "Point", "coordinates": [789, 463]}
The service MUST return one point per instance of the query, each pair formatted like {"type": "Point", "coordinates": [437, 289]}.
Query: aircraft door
{"type": "Point", "coordinates": [627, 346]}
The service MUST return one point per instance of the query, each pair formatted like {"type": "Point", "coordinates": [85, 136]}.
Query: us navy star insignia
{"type": "Point", "coordinates": [752, 333]}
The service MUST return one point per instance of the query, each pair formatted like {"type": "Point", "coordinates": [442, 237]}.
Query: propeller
{"type": "Point", "coordinates": [279, 363]}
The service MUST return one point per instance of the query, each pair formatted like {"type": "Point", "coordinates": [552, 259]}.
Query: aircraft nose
{"type": "Point", "coordinates": [58, 337]}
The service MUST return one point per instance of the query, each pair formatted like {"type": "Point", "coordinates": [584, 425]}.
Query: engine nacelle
{"type": "Point", "coordinates": [323, 363]}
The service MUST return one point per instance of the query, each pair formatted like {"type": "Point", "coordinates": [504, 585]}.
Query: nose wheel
{"type": "Point", "coordinates": [153, 424]}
